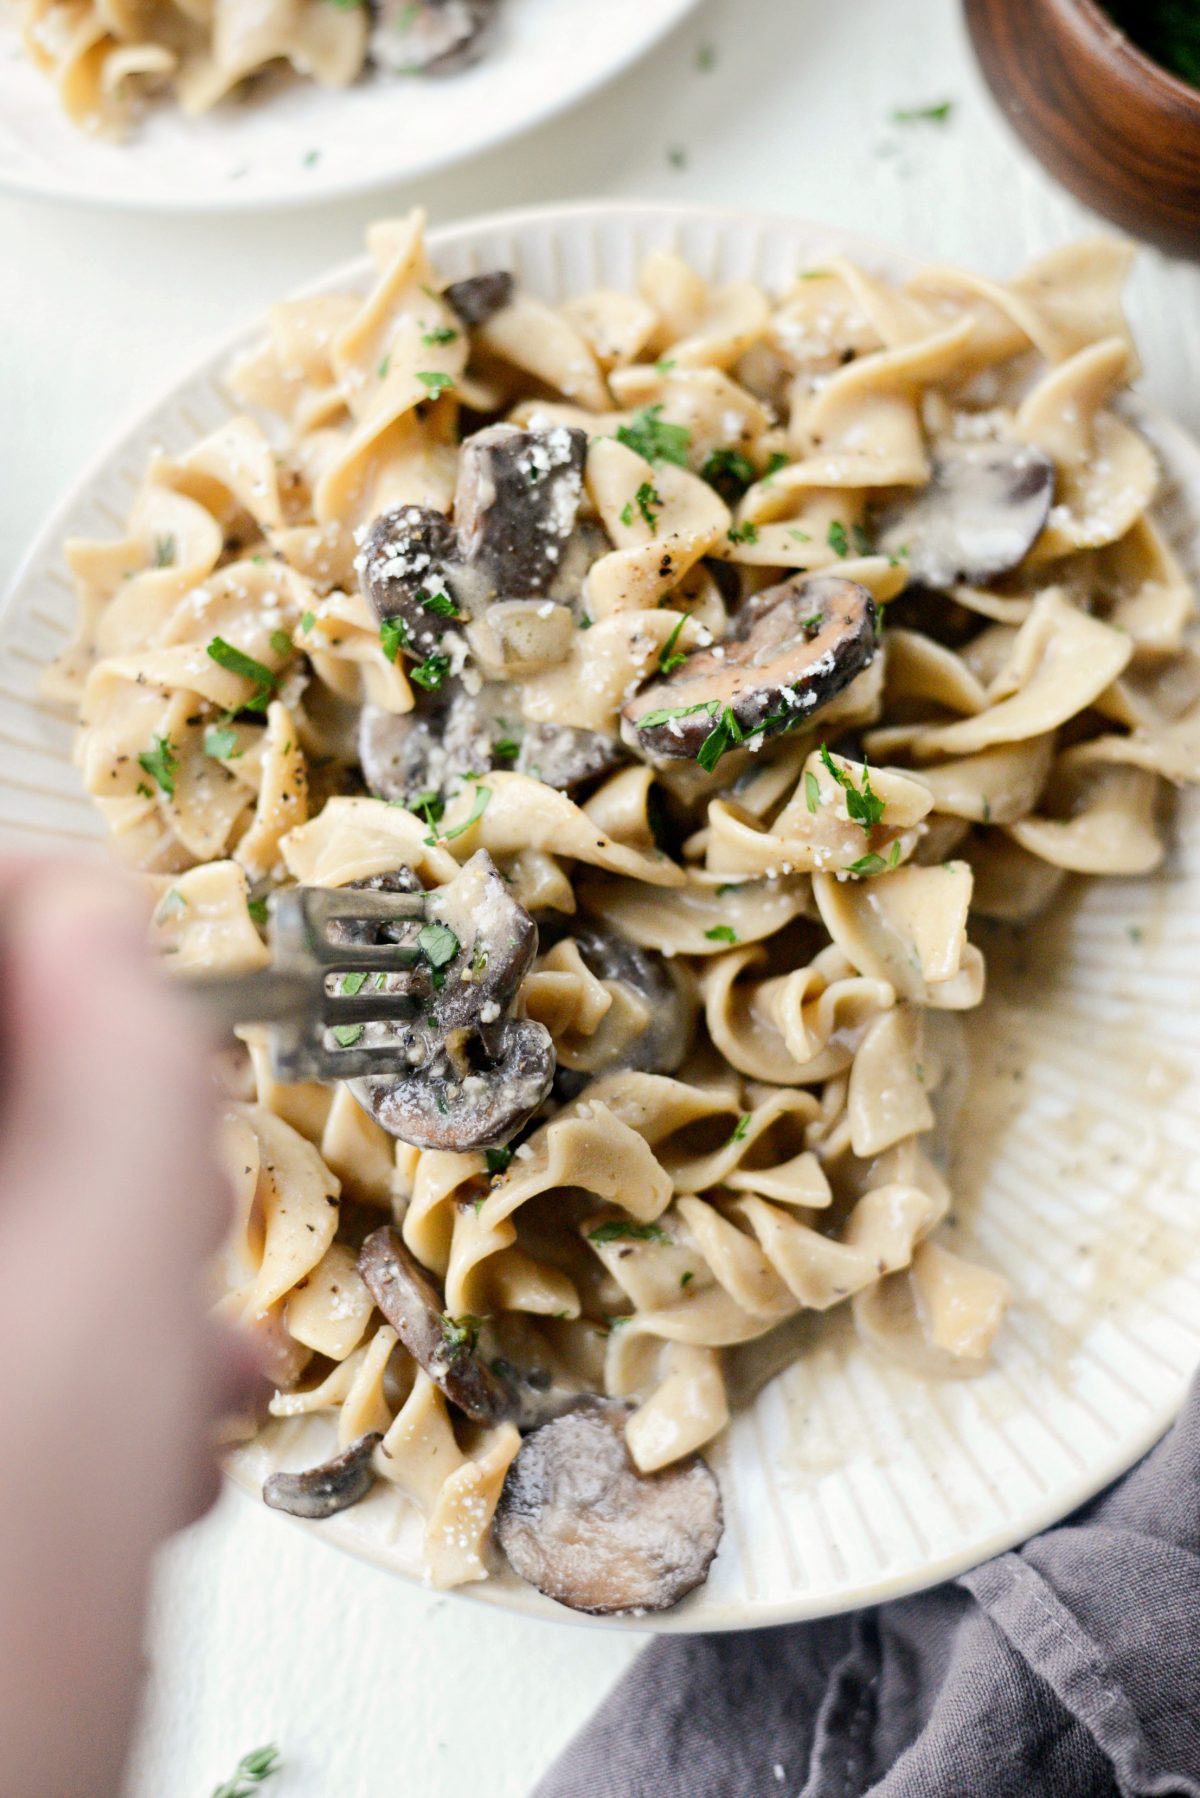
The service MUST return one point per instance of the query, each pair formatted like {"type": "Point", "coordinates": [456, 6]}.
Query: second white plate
{"type": "Point", "coordinates": [848, 1480]}
{"type": "Point", "coordinates": [301, 143]}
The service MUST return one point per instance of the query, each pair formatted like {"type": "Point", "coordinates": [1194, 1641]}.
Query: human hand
{"type": "Point", "coordinates": [113, 1374]}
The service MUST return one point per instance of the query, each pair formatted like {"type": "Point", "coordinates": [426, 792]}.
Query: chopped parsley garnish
{"type": "Point", "coordinates": [863, 806]}
{"type": "Point", "coordinates": [724, 735]}
{"type": "Point", "coordinates": [236, 661]}
{"type": "Point", "coordinates": [656, 441]}
{"type": "Point", "coordinates": [307, 622]}
{"type": "Point", "coordinates": [837, 539]}
{"type": "Point", "coordinates": [875, 864]}
{"type": "Point", "coordinates": [220, 742]}
{"type": "Point", "coordinates": [860, 539]}
{"type": "Point", "coordinates": [162, 764]}
{"type": "Point", "coordinates": [440, 604]}
{"type": "Point", "coordinates": [281, 643]}
{"type": "Point", "coordinates": [669, 658]}
{"type": "Point", "coordinates": [740, 1130]}
{"type": "Point", "coordinates": [385, 367]}
{"type": "Point", "coordinates": [346, 1035]}
{"type": "Point", "coordinates": [722, 933]}
{"type": "Point", "coordinates": [685, 1280]}
{"type": "Point", "coordinates": [812, 791]}
{"type": "Point", "coordinates": [506, 749]}
{"type": "Point", "coordinates": [617, 1230]}
{"type": "Point", "coordinates": [800, 536]}
{"type": "Point", "coordinates": [482, 799]}
{"type": "Point", "coordinates": [430, 804]}
{"type": "Point", "coordinates": [439, 945]}
{"type": "Point", "coordinates": [352, 984]}
{"type": "Point", "coordinates": [652, 720]}
{"type": "Point", "coordinates": [460, 1335]}
{"type": "Point", "coordinates": [776, 461]}
{"type": "Point", "coordinates": [439, 334]}
{"type": "Point", "coordinates": [743, 533]}
{"type": "Point", "coordinates": [164, 552]}
{"type": "Point", "coordinates": [261, 1763]}
{"type": "Point", "coordinates": [665, 366]}
{"type": "Point", "coordinates": [730, 473]}
{"type": "Point", "coordinates": [172, 905]}
{"type": "Point", "coordinates": [649, 503]}
{"type": "Point", "coordinates": [585, 623]}
{"type": "Point", "coordinates": [393, 635]}
{"type": "Point", "coordinates": [914, 115]}
{"type": "Point", "coordinates": [257, 909]}
{"type": "Point", "coordinates": [431, 673]}
{"type": "Point", "coordinates": [812, 624]}
{"type": "Point", "coordinates": [497, 1160]}
{"type": "Point", "coordinates": [435, 380]}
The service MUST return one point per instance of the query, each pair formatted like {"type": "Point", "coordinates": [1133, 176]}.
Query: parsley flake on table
{"type": "Point", "coordinates": [254, 1768]}
{"type": "Point", "coordinates": [938, 114]}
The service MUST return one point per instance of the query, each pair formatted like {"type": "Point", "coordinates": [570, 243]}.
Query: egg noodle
{"type": "Point", "coordinates": [802, 895]}
{"type": "Point", "coordinates": [106, 57]}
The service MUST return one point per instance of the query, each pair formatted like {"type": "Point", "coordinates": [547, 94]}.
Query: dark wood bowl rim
{"type": "Point", "coordinates": [1105, 28]}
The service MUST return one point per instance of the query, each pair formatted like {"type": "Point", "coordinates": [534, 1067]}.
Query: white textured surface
{"type": "Point", "coordinates": [257, 1634]}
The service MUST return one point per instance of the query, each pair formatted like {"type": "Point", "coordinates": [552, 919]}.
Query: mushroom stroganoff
{"type": "Point", "coordinates": [570, 622]}
{"type": "Point", "coordinates": [107, 57]}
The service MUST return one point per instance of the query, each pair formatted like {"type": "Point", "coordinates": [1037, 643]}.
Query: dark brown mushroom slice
{"type": "Point", "coordinates": [978, 517]}
{"type": "Point", "coordinates": [409, 571]}
{"type": "Point", "coordinates": [667, 990]}
{"type": "Point", "coordinates": [567, 757]}
{"type": "Point", "coordinates": [467, 1075]}
{"type": "Point", "coordinates": [429, 37]}
{"type": "Point", "coordinates": [425, 751]}
{"type": "Point", "coordinates": [790, 650]}
{"type": "Point", "coordinates": [578, 1521]}
{"type": "Point", "coordinates": [444, 1346]}
{"type": "Point", "coordinates": [332, 1486]}
{"type": "Point", "coordinates": [480, 297]}
{"type": "Point", "coordinates": [459, 1100]}
{"type": "Point", "coordinates": [516, 504]}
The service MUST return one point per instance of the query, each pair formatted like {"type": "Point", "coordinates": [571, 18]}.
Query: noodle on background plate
{"type": "Point", "coordinates": [750, 953]}
{"type": "Point", "coordinates": [106, 58]}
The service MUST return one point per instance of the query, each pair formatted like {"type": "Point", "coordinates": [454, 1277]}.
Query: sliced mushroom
{"type": "Point", "coordinates": [333, 1486]}
{"type": "Point", "coordinates": [429, 750]}
{"type": "Point", "coordinates": [467, 1074]}
{"type": "Point", "coordinates": [516, 504]}
{"type": "Point", "coordinates": [791, 648]}
{"type": "Point", "coordinates": [978, 517]}
{"type": "Point", "coordinates": [429, 37]}
{"type": "Point", "coordinates": [578, 1521]}
{"type": "Point", "coordinates": [480, 297]}
{"type": "Point", "coordinates": [410, 570]}
{"type": "Point", "coordinates": [444, 1346]}
{"type": "Point", "coordinates": [654, 1032]}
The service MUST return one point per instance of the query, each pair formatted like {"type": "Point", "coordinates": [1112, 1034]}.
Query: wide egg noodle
{"type": "Point", "coordinates": [812, 897]}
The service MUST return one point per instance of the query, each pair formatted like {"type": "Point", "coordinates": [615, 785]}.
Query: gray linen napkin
{"type": "Point", "coordinates": [1068, 1669]}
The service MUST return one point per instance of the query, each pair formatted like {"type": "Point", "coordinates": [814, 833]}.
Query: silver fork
{"type": "Point", "coordinates": [293, 995]}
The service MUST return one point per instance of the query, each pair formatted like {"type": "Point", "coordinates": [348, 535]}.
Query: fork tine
{"type": "Point", "coordinates": [370, 1008]}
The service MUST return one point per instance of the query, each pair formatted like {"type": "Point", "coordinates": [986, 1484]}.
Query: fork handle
{"type": "Point", "coordinates": [267, 996]}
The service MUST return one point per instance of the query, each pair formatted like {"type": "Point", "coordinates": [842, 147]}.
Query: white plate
{"type": "Point", "coordinates": [848, 1480]}
{"type": "Point", "coordinates": [301, 143]}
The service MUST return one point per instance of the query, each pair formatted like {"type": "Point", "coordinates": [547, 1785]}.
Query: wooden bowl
{"type": "Point", "coordinates": [1111, 124]}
